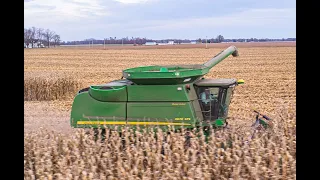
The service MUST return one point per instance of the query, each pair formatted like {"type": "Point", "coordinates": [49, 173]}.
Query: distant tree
{"type": "Point", "coordinates": [48, 35]}
{"type": "Point", "coordinates": [39, 36]}
{"type": "Point", "coordinates": [26, 36]}
{"type": "Point", "coordinates": [36, 36]}
{"type": "Point", "coordinates": [56, 39]}
{"type": "Point", "coordinates": [199, 40]}
{"type": "Point", "coordinates": [220, 38]}
{"type": "Point", "coordinates": [33, 39]}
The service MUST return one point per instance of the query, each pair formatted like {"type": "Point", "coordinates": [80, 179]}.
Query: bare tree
{"type": "Point", "coordinates": [39, 36]}
{"type": "Point", "coordinates": [33, 36]}
{"type": "Point", "coordinates": [56, 39]}
{"type": "Point", "coordinates": [220, 38]}
{"type": "Point", "coordinates": [48, 35]}
{"type": "Point", "coordinates": [27, 36]}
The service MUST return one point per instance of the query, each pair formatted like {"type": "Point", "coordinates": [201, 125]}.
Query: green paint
{"type": "Point", "coordinates": [219, 122]}
{"type": "Point", "coordinates": [158, 96]}
{"type": "Point", "coordinates": [112, 95]}
{"type": "Point", "coordinates": [86, 108]}
{"type": "Point", "coordinates": [263, 123]}
{"type": "Point", "coordinates": [152, 74]}
{"type": "Point", "coordinates": [171, 112]}
{"type": "Point", "coordinates": [158, 93]}
{"type": "Point", "coordinates": [163, 69]}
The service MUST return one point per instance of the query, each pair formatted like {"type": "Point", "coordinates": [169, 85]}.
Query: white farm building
{"type": "Point", "coordinates": [171, 42]}
{"type": "Point", "coordinates": [150, 43]}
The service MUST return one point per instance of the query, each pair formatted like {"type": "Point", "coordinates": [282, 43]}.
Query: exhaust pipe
{"type": "Point", "coordinates": [221, 56]}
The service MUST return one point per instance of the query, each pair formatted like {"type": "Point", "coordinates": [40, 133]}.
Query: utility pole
{"type": "Point", "coordinates": [206, 43]}
{"type": "Point", "coordinates": [104, 43]}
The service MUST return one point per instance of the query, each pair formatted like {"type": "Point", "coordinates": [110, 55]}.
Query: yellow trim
{"type": "Point", "coordinates": [240, 81]}
{"type": "Point", "coordinates": [178, 104]}
{"type": "Point", "coordinates": [101, 122]}
{"type": "Point", "coordinates": [156, 123]}
{"type": "Point", "coordinates": [129, 123]}
{"type": "Point", "coordinates": [181, 119]}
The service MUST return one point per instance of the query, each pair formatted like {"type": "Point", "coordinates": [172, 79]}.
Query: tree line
{"type": "Point", "coordinates": [140, 41]}
{"type": "Point", "coordinates": [218, 39]}
{"type": "Point", "coordinates": [110, 40]}
{"type": "Point", "coordinates": [38, 37]}
{"type": "Point", "coordinates": [134, 41]}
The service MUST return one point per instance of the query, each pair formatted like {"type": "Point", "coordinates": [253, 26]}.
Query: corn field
{"type": "Point", "coordinates": [141, 155]}
{"type": "Point", "coordinates": [39, 89]}
{"type": "Point", "coordinates": [270, 87]}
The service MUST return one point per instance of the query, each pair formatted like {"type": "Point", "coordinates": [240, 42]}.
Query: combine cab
{"type": "Point", "coordinates": [160, 96]}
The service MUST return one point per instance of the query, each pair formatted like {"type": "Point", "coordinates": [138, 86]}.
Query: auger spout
{"type": "Point", "coordinates": [221, 56]}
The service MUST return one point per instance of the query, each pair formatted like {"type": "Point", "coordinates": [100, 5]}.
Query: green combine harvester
{"type": "Point", "coordinates": [158, 96]}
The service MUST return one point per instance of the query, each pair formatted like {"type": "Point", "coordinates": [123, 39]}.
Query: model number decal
{"type": "Point", "coordinates": [178, 104]}
{"type": "Point", "coordinates": [182, 119]}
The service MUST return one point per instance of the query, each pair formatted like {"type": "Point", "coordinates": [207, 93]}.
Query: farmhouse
{"type": "Point", "coordinates": [171, 42]}
{"type": "Point", "coordinates": [150, 43]}
{"type": "Point", "coordinates": [35, 45]}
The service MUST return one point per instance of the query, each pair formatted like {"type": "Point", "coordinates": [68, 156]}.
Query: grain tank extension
{"type": "Point", "coordinates": [162, 96]}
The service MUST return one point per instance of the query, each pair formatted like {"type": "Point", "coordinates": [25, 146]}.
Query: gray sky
{"type": "Point", "coordinates": [161, 19]}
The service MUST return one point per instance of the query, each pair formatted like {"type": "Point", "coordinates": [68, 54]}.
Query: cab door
{"type": "Point", "coordinates": [214, 102]}
{"type": "Point", "coordinates": [209, 102]}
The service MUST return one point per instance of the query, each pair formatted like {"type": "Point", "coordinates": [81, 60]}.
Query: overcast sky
{"type": "Point", "coordinates": [160, 19]}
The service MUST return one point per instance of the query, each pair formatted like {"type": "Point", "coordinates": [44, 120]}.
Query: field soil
{"type": "Point", "coordinates": [269, 71]}
{"type": "Point", "coordinates": [44, 115]}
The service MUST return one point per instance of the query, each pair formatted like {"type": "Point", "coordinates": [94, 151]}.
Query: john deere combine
{"type": "Point", "coordinates": [161, 96]}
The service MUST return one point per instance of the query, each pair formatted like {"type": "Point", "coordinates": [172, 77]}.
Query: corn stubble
{"type": "Point", "coordinates": [227, 154]}
{"type": "Point", "coordinates": [45, 88]}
